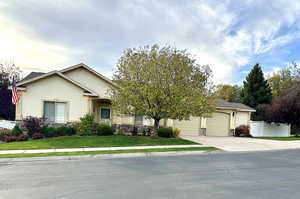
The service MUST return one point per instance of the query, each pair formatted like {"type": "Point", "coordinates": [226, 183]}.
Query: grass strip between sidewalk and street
{"type": "Point", "coordinates": [21, 155]}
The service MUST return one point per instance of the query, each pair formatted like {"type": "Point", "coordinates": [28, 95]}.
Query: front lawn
{"type": "Point", "coordinates": [93, 141]}
{"type": "Point", "coordinates": [22, 155]}
{"type": "Point", "coordinates": [291, 138]}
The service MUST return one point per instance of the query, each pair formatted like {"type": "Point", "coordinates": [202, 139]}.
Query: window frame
{"type": "Point", "coordinates": [55, 110]}
{"type": "Point", "coordinates": [101, 113]}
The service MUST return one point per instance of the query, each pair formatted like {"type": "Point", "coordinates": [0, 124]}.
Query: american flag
{"type": "Point", "coordinates": [15, 96]}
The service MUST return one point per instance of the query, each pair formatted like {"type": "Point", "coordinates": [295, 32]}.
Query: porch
{"type": "Point", "coordinates": [101, 109]}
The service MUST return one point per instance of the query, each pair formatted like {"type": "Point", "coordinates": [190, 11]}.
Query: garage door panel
{"type": "Point", "coordinates": [188, 127]}
{"type": "Point", "coordinates": [217, 125]}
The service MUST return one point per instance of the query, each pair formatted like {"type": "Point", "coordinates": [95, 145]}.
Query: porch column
{"type": "Point", "coordinates": [89, 105]}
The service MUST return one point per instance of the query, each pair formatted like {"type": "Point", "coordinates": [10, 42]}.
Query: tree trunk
{"type": "Point", "coordinates": [156, 126]}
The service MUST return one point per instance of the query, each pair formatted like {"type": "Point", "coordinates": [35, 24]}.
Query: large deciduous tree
{"type": "Point", "coordinates": [229, 93]}
{"type": "Point", "coordinates": [8, 71]}
{"type": "Point", "coordinates": [162, 83]}
{"type": "Point", "coordinates": [281, 81]}
{"type": "Point", "coordinates": [256, 91]}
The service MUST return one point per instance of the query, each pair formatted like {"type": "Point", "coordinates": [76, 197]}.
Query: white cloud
{"type": "Point", "coordinates": [29, 53]}
{"type": "Point", "coordinates": [274, 70]}
{"type": "Point", "coordinates": [224, 34]}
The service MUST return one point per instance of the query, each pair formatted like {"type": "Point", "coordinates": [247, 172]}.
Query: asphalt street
{"type": "Point", "coordinates": [274, 174]}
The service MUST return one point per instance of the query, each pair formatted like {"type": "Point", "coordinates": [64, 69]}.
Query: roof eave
{"type": "Point", "coordinates": [18, 88]}
{"type": "Point", "coordinates": [236, 109]}
{"type": "Point", "coordinates": [91, 93]}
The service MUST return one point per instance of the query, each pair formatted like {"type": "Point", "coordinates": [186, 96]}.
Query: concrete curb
{"type": "Point", "coordinates": [106, 156]}
{"type": "Point", "coordinates": [98, 149]}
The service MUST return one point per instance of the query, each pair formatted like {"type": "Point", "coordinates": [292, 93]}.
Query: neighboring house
{"type": "Point", "coordinates": [66, 95]}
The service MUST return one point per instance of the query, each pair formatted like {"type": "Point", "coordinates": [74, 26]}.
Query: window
{"type": "Point", "coordinates": [138, 119]}
{"type": "Point", "coordinates": [105, 113]}
{"type": "Point", "coordinates": [55, 111]}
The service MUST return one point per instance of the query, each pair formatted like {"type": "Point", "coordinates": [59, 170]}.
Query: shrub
{"type": "Point", "coordinates": [33, 124]}
{"type": "Point", "coordinates": [73, 127]}
{"type": "Point", "coordinates": [16, 131]}
{"type": "Point", "coordinates": [22, 137]}
{"type": "Point", "coordinates": [49, 132]}
{"type": "Point", "coordinates": [10, 139]}
{"type": "Point", "coordinates": [64, 131]}
{"type": "Point", "coordinates": [242, 131]}
{"type": "Point", "coordinates": [4, 133]}
{"type": "Point", "coordinates": [86, 125]}
{"type": "Point", "coordinates": [36, 136]}
{"type": "Point", "coordinates": [104, 129]}
{"type": "Point", "coordinates": [165, 132]}
{"type": "Point", "coordinates": [176, 133]}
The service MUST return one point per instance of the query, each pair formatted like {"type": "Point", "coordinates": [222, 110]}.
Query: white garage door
{"type": "Point", "coordinates": [217, 125]}
{"type": "Point", "coordinates": [188, 127]}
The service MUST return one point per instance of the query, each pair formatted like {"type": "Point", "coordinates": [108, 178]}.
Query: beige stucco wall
{"type": "Point", "coordinates": [123, 119]}
{"type": "Point", "coordinates": [242, 118]}
{"type": "Point", "coordinates": [53, 88]}
{"type": "Point", "coordinates": [90, 80]}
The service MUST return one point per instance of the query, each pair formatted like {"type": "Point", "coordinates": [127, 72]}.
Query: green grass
{"type": "Point", "coordinates": [291, 138]}
{"type": "Point", "coordinates": [93, 141]}
{"type": "Point", "coordinates": [22, 155]}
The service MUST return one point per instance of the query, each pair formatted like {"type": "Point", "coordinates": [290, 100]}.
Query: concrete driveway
{"type": "Point", "coordinates": [243, 144]}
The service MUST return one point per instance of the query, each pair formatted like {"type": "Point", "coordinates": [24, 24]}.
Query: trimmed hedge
{"type": "Point", "coordinates": [49, 132]}
{"type": "Point", "coordinates": [168, 132]}
{"type": "Point", "coordinates": [10, 139]}
{"type": "Point", "coordinates": [36, 136]}
{"type": "Point", "coordinates": [22, 137]}
{"type": "Point", "coordinates": [64, 130]}
{"type": "Point", "coordinates": [165, 132]}
{"type": "Point", "coordinates": [104, 129]}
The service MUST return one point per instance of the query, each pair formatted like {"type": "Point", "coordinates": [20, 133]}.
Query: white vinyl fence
{"type": "Point", "coordinates": [264, 129]}
{"type": "Point", "coordinates": [5, 124]}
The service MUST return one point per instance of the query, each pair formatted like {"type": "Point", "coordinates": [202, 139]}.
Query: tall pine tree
{"type": "Point", "coordinates": [256, 91]}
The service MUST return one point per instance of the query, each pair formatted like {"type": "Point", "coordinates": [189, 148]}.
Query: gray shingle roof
{"type": "Point", "coordinates": [232, 105]}
{"type": "Point", "coordinates": [32, 75]}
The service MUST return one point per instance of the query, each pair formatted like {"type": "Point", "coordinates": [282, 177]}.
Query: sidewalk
{"type": "Point", "coordinates": [96, 149]}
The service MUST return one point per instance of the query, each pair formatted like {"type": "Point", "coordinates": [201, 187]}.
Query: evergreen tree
{"type": "Point", "coordinates": [256, 91]}
{"type": "Point", "coordinates": [8, 71]}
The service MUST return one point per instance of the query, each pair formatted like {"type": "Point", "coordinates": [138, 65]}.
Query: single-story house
{"type": "Point", "coordinates": [66, 95]}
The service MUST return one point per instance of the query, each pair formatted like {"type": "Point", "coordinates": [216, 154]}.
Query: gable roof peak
{"type": "Point", "coordinates": [91, 70]}
{"type": "Point", "coordinates": [55, 72]}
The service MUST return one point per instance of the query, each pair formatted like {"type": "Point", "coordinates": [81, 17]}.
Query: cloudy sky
{"type": "Point", "coordinates": [229, 35]}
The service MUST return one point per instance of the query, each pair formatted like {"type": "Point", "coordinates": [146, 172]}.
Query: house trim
{"type": "Point", "coordinates": [91, 93]}
{"type": "Point", "coordinates": [236, 109]}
